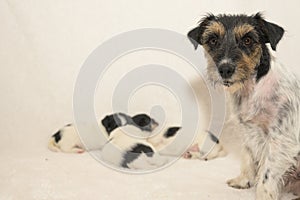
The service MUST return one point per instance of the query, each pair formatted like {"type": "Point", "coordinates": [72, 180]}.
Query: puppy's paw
{"type": "Point", "coordinates": [80, 151]}
{"type": "Point", "coordinates": [192, 152]}
{"type": "Point", "coordinates": [191, 155]}
{"type": "Point", "coordinates": [240, 182]}
{"type": "Point", "coordinates": [187, 155]}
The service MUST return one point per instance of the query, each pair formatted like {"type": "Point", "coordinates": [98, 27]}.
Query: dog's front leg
{"type": "Point", "coordinates": [270, 176]}
{"type": "Point", "coordinates": [248, 170]}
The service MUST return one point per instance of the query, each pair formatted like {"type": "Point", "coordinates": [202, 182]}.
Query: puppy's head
{"type": "Point", "coordinates": [144, 122]}
{"type": "Point", "coordinates": [235, 47]}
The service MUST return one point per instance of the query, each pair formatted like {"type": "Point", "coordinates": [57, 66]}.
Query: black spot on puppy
{"type": "Point", "coordinates": [135, 152]}
{"type": "Point", "coordinates": [57, 136]}
{"type": "Point", "coordinates": [171, 132]}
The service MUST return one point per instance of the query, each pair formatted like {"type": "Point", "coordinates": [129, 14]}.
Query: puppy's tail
{"type": "Point", "coordinates": [52, 145]}
{"type": "Point", "coordinates": [164, 138]}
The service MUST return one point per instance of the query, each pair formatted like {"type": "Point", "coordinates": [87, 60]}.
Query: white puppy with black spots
{"type": "Point", "coordinates": [130, 147]}
{"type": "Point", "coordinates": [67, 139]}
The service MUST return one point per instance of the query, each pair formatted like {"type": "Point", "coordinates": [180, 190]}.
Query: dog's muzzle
{"type": "Point", "coordinates": [226, 70]}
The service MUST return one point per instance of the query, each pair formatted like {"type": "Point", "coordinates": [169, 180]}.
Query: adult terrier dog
{"type": "Point", "coordinates": [264, 97]}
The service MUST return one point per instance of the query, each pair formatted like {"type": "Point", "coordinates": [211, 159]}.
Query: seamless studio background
{"type": "Point", "coordinates": [42, 47]}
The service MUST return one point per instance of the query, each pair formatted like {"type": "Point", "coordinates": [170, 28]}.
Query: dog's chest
{"type": "Point", "coordinates": [256, 108]}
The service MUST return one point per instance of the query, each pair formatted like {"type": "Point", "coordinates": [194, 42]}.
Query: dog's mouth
{"type": "Point", "coordinates": [227, 83]}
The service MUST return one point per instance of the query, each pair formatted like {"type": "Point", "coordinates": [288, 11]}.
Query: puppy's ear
{"type": "Point", "coordinates": [271, 33]}
{"type": "Point", "coordinates": [141, 120]}
{"type": "Point", "coordinates": [104, 121]}
{"type": "Point", "coordinates": [195, 35]}
{"type": "Point", "coordinates": [107, 122]}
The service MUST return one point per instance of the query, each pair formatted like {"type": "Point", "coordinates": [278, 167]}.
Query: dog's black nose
{"type": "Point", "coordinates": [226, 71]}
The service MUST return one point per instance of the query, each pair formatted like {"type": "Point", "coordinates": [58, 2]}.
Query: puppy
{"type": "Point", "coordinates": [67, 139]}
{"type": "Point", "coordinates": [127, 151]}
{"type": "Point", "coordinates": [263, 94]}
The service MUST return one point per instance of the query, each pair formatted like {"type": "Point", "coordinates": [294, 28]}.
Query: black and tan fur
{"type": "Point", "coordinates": [264, 97]}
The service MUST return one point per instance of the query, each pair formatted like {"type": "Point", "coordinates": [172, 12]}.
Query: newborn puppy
{"type": "Point", "coordinates": [67, 140]}
{"type": "Point", "coordinates": [127, 151]}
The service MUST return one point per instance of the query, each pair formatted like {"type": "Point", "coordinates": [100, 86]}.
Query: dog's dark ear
{"type": "Point", "coordinates": [271, 33]}
{"type": "Point", "coordinates": [195, 35]}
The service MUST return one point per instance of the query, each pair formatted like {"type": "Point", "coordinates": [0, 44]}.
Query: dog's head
{"type": "Point", "coordinates": [235, 47]}
{"type": "Point", "coordinates": [144, 122]}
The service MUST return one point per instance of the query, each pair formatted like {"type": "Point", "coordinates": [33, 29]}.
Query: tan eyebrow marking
{"type": "Point", "coordinates": [242, 30]}
{"type": "Point", "coordinates": [214, 28]}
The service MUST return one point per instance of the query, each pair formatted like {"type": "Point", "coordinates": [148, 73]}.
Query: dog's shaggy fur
{"type": "Point", "coordinates": [264, 97]}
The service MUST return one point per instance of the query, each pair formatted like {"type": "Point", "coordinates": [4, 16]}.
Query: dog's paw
{"type": "Point", "coordinates": [240, 182]}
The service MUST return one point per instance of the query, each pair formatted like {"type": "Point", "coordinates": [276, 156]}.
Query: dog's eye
{"type": "Point", "coordinates": [213, 41]}
{"type": "Point", "coordinates": [247, 41]}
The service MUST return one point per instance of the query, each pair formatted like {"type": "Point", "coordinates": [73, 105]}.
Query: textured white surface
{"type": "Point", "coordinates": [68, 176]}
{"type": "Point", "coordinates": [45, 175]}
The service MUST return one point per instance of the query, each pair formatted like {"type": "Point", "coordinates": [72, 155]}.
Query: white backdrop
{"type": "Point", "coordinates": [44, 43]}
